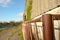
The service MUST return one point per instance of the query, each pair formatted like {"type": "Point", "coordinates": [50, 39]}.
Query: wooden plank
{"type": "Point", "coordinates": [56, 16]}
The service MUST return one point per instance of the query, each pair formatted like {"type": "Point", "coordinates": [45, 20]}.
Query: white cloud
{"type": "Point", "coordinates": [20, 15]}
{"type": "Point", "coordinates": [5, 3]}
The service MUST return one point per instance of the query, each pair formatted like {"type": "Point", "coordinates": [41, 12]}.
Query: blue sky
{"type": "Point", "coordinates": [11, 10]}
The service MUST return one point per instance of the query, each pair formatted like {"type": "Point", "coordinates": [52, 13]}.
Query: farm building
{"type": "Point", "coordinates": [39, 14]}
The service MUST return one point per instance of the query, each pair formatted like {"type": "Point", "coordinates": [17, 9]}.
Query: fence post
{"type": "Point", "coordinates": [48, 29]}
{"type": "Point", "coordinates": [27, 32]}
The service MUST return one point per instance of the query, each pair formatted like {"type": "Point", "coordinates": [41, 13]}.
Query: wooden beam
{"type": "Point", "coordinates": [48, 29]}
{"type": "Point", "coordinates": [36, 20]}
{"type": "Point", "coordinates": [54, 17]}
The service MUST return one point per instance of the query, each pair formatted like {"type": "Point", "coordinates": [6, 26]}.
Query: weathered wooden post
{"type": "Point", "coordinates": [26, 31]}
{"type": "Point", "coordinates": [48, 29]}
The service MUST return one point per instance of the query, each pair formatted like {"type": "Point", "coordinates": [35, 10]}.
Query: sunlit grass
{"type": "Point", "coordinates": [13, 31]}
{"type": "Point", "coordinates": [18, 30]}
{"type": "Point", "coordinates": [21, 35]}
{"type": "Point", "coordinates": [0, 30]}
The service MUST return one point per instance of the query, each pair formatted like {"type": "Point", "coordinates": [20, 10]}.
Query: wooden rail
{"type": "Point", "coordinates": [48, 27]}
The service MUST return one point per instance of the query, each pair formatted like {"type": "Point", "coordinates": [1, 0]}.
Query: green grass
{"type": "Point", "coordinates": [21, 35]}
{"type": "Point", "coordinates": [19, 31]}
{"type": "Point", "coordinates": [0, 30]}
{"type": "Point", "coordinates": [14, 30]}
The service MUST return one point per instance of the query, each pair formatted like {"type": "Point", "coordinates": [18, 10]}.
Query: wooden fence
{"type": "Point", "coordinates": [30, 28]}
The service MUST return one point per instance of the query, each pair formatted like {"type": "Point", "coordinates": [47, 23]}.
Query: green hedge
{"type": "Point", "coordinates": [29, 10]}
